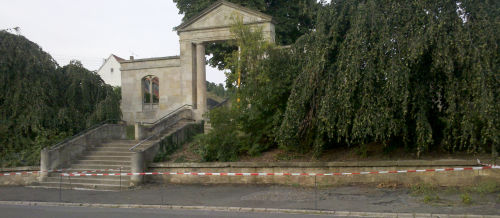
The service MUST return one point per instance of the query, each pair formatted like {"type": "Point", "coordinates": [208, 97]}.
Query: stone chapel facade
{"type": "Point", "coordinates": [153, 87]}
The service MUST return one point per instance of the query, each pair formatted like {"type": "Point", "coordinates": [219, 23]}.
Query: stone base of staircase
{"type": "Point", "coordinates": [110, 157]}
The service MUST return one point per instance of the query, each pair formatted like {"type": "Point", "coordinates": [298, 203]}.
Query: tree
{"type": "Point", "coordinates": [248, 125]}
{"type": "Point", "coordinates": [293, 18]}
{"type": "Point", "coordinates": [217, 89]}
{"type": "Point", "coordinates": [419, 74]}
{"type": "Point", "coordinates": [41, 103]}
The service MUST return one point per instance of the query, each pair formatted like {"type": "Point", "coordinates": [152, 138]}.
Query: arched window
{"type": "Point", "coordinates": [151, 90]}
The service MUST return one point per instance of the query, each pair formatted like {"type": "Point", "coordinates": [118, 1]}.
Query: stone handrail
{"type": "Point", "coordinates": [62, 143]}
{"type": "Point", "coordinates": [144, 130]}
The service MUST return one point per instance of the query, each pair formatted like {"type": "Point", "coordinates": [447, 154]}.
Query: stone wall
{"type": "Point", "coordinates": [19, 180]}
{"type": "Point", "coordinates": [447, 178]}
{"type": "Point", "coordinates": [172, 93]}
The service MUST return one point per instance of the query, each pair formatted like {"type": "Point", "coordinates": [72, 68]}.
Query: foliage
{"type": "Point", "coordinates": [466, 199]}
{"type": "Point", "coordinates": [423, 74]}
{"type": "Point", "coordinates": [217, 89]}
{"type": "Point", "coordinates": [42, 103]}
{"type": "Point", "coordinates": [292, 18]}
{"type": "Point", "coordinates": [224, 142]}
{"type": "Point", "coordinates": [423, 189]}
{"type": "Point", "coordinates": [130, 129]}
{"type": "Point", "coordinates": [248, 125]}
{"type": "Point", "coordinates": [484, 188]}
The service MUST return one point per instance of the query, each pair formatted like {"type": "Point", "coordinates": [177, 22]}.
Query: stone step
{"type": "Point", "coordinates": [117, 144]}
{"type": "Point", "coordinates": [113, 146]}
{"type": "Point", "coordinates": [106, 180]}
{"type": "Point", "coordinates": [105, 157]}
{"type": "Point", "coordinates": [110, 153]}
{"type": "Point", "coordinates": [103, 162]}
{"type": "Point", "coordinates": [81, 167]}
{"type": "Point", "coordinates": [88, 171]}
{"type": "Point", "coordinates": [113, 149]}
{"type": "Point", "coordinates": [129, 142]}
{"type": "Point", "coordinates": [82, 186]}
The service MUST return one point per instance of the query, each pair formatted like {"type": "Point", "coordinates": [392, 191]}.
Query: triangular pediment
{"type": "Point", "coordinates": [220, 15]}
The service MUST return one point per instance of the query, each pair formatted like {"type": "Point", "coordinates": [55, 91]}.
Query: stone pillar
{"type": "Point", "coordinates": [201, 83]}
{"type": "Point", "coordinates": [44, 164]}
{"type": "Point", "coordinates": [137, 166]}
{"type": "Point", "coordinates": [138, 131]}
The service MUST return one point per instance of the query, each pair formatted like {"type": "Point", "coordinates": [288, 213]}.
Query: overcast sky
{"type": "Point", "coordinates": [91, 30]}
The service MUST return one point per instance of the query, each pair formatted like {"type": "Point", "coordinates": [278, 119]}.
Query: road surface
{"type": "Point", "coordinates": [84, 212]}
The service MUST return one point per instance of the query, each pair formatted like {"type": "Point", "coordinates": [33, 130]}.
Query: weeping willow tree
{"type": "Point", "coordinates": [420, 74]}
{"type": "Point", "coordinates": [41, 103]}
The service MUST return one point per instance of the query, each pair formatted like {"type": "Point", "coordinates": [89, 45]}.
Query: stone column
{"type": "Point", "coordinates": [44, 164]}
{"type": "Point", "coordinates": [138, 131]}
{"type": "Point", "coordinates": [201, 90]}
{"type": "Point", "coordinates": [137, 166]}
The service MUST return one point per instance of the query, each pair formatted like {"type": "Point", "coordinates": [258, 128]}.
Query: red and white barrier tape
{"type": "Point", "coordinates": [280, 174]}
{"type": "Point", "coordinates": [93, 172]}
{"type": "Point", "coordinates": [52, 171]}
{"type": "Point", "coordinates": [490, 165]}
{"type": "Point", "coordinates": [18, 173]}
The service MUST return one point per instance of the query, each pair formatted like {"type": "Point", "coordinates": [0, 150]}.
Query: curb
{"type": "Point", "coordinates": [244, 209]}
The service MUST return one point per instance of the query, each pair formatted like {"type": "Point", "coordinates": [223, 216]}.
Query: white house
{"type": "Point", "coordinates": [110, 70]}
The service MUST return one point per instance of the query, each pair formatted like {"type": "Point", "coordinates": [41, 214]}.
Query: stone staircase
{"type": "Point", "coordinates": [110, 157]}
{"type": "Point", "coordinates": [113, 156]}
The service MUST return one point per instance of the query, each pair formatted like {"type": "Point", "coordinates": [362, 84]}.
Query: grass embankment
{"type": "Point", "coordinates": [371, 152]}
{"type": "Point", "coordinates": [451, 196]}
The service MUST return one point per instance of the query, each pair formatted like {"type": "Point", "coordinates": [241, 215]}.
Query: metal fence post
{"type": "Point", "coordinates": [60, 187]}
{"type": "Point", "coordinates": [70, 186]}
{"type": "Point", "coordinates": [161, 193]}
{"type": "Point", "coordinates": [315, 194]}
{"type": "Point", "coordinates": [120, 178]}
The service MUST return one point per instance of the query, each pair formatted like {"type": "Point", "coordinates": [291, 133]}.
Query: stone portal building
{"type": "Point", "coordinates": [153, 87]}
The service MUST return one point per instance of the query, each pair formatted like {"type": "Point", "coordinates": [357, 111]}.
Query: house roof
{"type": "Point", "coordinates": [119, 59]}
{"type": "Point", "coordinates": [218, 4]}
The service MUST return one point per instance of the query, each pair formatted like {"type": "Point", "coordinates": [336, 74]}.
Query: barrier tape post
{"type": "Point", "coordinates": [315, 194]}
{"type": "Point", "coordinates": [60, 187]}
{"type": "Point", "coordinates": [70, 186]}
{"type": "Point", "coordinates": [162, 186]}
{"type": "Point", "coordinates": [120, 178]}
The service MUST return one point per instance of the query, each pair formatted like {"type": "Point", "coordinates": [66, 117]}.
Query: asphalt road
{"type": "Point", "coordinates": [84, 212]}
{"type": "Point", "coordinates": [348, 198]}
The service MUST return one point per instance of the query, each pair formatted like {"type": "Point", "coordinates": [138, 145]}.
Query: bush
{"type": "Point", "coordinates": [223, 142]}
